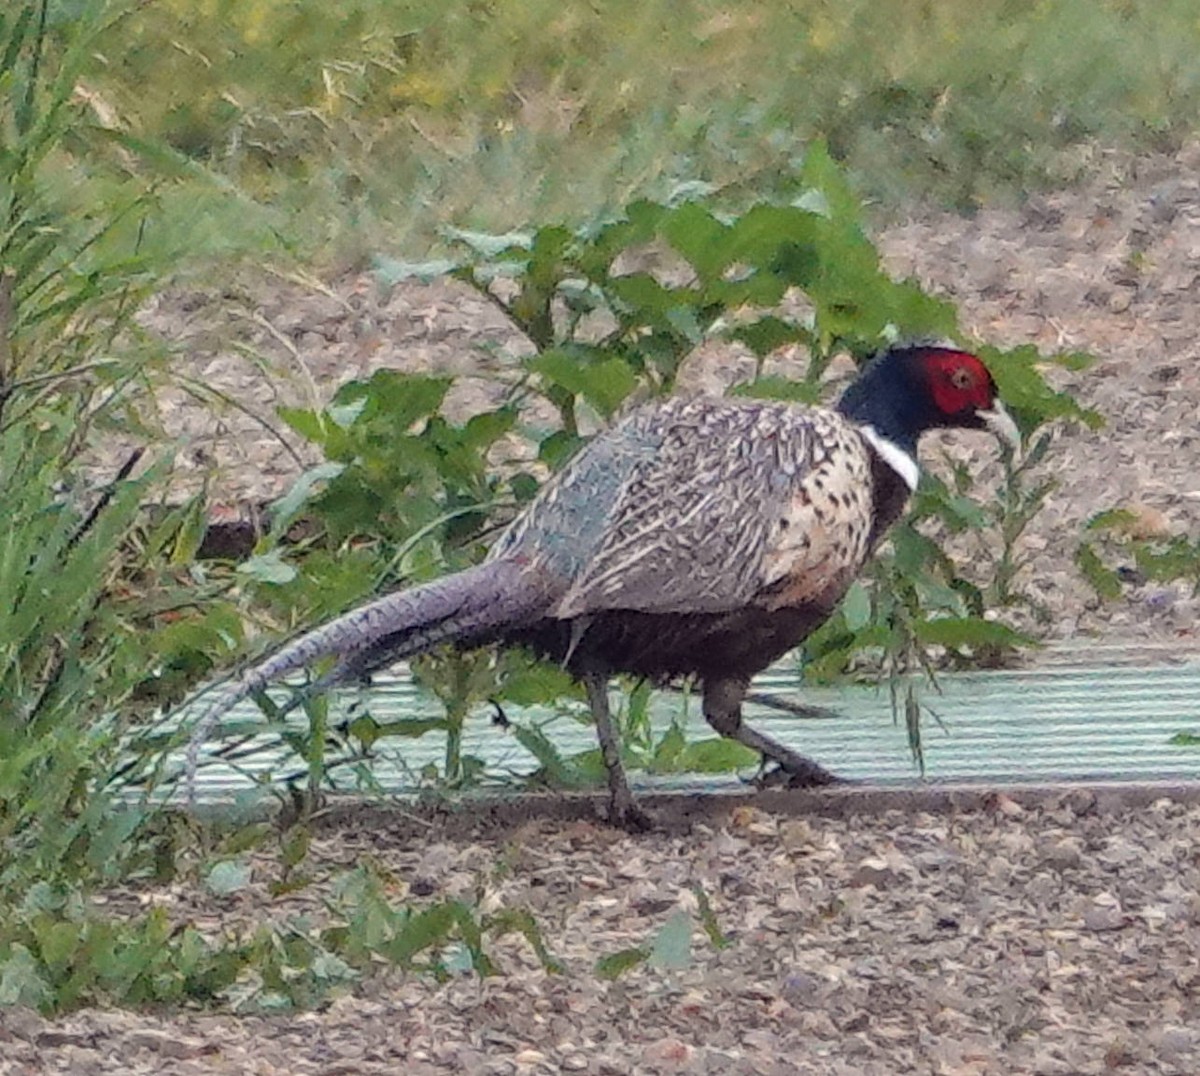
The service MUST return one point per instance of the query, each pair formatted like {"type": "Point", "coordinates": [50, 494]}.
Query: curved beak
{"type": "Point", "coordinates": [1000, 422]}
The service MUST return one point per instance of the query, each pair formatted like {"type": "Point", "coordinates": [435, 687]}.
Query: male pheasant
{"type": "Point", "coordinates": [698, 537]}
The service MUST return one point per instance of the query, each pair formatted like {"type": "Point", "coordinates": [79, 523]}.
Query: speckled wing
{"type": "Point", "coordinates": [740, 502]}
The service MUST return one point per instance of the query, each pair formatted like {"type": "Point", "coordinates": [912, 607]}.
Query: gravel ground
{"type": "Point", "coordinates": [1052, 938]}
{"type": "Point", "coordinates": [1022, 933]}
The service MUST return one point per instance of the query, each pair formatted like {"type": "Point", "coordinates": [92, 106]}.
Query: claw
{"type": "Point", "coordinates": [796, 772]}
{"type": "Point", "coordinates": [625, 814]}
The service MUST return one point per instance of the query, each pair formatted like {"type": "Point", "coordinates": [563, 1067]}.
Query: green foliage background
{"type": "Point", "coordinates": [347, 118]}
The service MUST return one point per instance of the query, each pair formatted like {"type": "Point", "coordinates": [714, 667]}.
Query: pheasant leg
{"type": "Point", "coordinates": [723, 711]}
{"type": "Point", "coordinates": [623, 811]}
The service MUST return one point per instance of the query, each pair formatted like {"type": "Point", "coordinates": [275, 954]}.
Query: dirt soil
{"type": "Point", "coordinates": [1060, 937]}
{"type": "Point", "coordinates": [1031, 932]}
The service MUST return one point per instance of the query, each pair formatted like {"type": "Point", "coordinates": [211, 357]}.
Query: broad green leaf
{"type": "Point", "coordinates": [617, 964]}
{"type": "Point", "coordinates": [777, 239]}
{"type": "Point", "coordinates": [708, 918]}
{"type": "Point", "coordinates": [699, 237]}
{"type": "Point", "coordinates": [391, 271]}
{"type": "Point", "coordinates": [668, 750]}
{"type": "Point", "coordinates": [489, 245]}
{"type": "Point", "coordinates": [1111, 519]}
{"type": "Point", "coordinates": [537, 682]}
{"type": "Point", "coordinates": [648, 301]}
{"type": "Point", "coordinates": [605, 384]}
{"type": "Point", "coordinates": [768, 334]}
{"type": "Point", "coordinates": [433, 926]}
{"type": "Point", "coordinates": [295, 847]}
{"type": "Point", "coordinates": [715, 756]}
{"type": "Point", "coordinates": [269, 567]}
{"type": "Point", "coordinates": [549, 247]}
{"type": "Point", "coordinates": [814, 201]}
{"type": "Point", "coordinates": [21, 981]}
{"type": "Point", "coordinates": [856, 607]}
{"type": "Point", "coordinates": [1176, 559]}
{"type": "Point", "coordinates": [779, 388]}
{"type": "Point", "coordinates": [521, 921]}
{"type": "Point", "coordinates": [558, 447]}
{"type": "Point", "coordinates": [820, 172]}
{"type": "Point", "coordinates": [1103, 579]}
{"type": "Point", "coordinates": [345, 415]}
{"type": "Point", "coordinates": [190, 535]}
{"type": "Point", "coordinates": [58, 942]}
{"type": "Point", "coordinates": [968, 631]}
{"type": "Point", "coordinates": [307, 423]}
{"type": "Point", "coordinates": [394, 399]}
{"type": "Point", "coordinates": [919, 315]}
{"type": "Point", "coordinates": [483, 430]}
{"type": "Point", "coordinates": [672, 946]}
{"type": "Point", "coordinates": [1026, 392]}
{"type": "Point", "coordinates": [602, 244]}
{"type": "Point", "coordinates": [228, 877]}
{"type": "Point", "coordinates": [285, 510]}
{"type": "Point", "coordinates": [590, 766]}
{"type": "Point", "coordinates": [553, 768]}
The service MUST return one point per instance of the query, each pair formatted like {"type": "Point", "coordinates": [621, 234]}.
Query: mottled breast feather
{"type": "Point", "coordinates": [821, 536]}
{"type": "Point", "coordinates": [705, 505]}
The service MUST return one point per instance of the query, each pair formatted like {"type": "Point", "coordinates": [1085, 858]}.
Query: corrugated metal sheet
{"type": "Point", "coordinates": [1093, 713]}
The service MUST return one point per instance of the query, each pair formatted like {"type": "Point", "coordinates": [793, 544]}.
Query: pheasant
{"type": "Point", "coordinates": [697, 537]}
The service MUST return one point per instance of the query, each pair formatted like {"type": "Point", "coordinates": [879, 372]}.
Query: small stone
{"type": "Point", "coordinates": [860, 1021]}
{"type": "Point", "coordinates": [751, 818]}
{"type": "Point", "coordinates": [53, 1037]}
{"type": "Point", "coordinates": [1144, 522]}
{"type": "Point", "coordinates": [1064, 854]}
{"type": "Point", "coordinates": [1104, 913]}
{"type": "Point", "coordinates": [1173, 1041]}
{"type": "Point", "coordinates": [874, 872]}
{"type": "Point", "coordinates": [795, 835]}
{"type": "Point", "coordinates": [169, 1045]}
{"type": "Point", "coordinates": [1005, 805]}
{"type": "Point", "coordinates": [669, 1051]}
{"type": "Point", "coordinates": [801, 988]}
{"type": "Point", "coordinates": [574, 1063]}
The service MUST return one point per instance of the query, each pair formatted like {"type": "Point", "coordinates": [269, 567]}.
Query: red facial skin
{"type": "Point", "coordinates": [958, 382]}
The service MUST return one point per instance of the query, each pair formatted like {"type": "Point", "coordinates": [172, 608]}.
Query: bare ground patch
{"type": "Point", "coordinates": [1054, 933]}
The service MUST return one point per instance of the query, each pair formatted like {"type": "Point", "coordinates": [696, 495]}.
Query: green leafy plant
{"type": "Point", "coordinates": [1114, 551]}
{"type": "Point", "coordinates": [670, 949]}
{"type": "Point", "coordinates": [88, 577]}
{"type": "Point", "coordinates": [606, 326]}
{"type": "Point", "coordinates": [1112, 542]}
{"type": "Point", "coordinates": [71, 654]}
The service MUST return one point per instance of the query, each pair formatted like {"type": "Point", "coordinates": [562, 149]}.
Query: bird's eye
{"type": "Point", "coordinates": [960, 377]}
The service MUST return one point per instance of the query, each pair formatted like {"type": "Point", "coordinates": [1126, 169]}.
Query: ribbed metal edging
{"type": "Point", "coordinates": [1061, 721]}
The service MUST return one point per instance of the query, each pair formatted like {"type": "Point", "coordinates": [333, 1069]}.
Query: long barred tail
{"type": "Point", "coordinates": [466, 605]}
